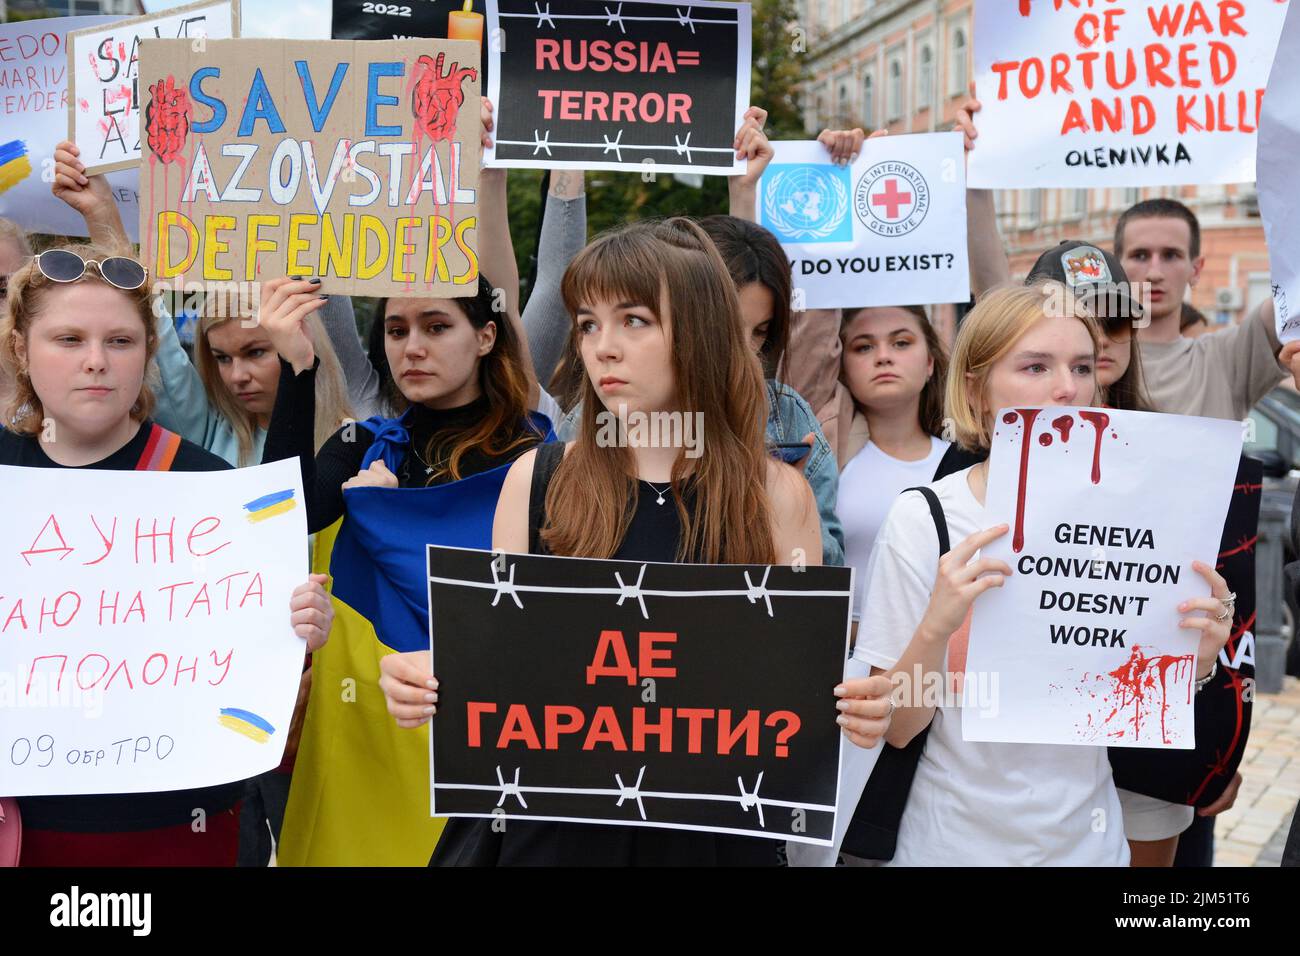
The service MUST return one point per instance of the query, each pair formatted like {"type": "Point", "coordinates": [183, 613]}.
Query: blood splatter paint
{"type": "Point", "coordinates": [1135, 694]}
{"type": "Point", "coordinates": [1027, 415]}
{"type": "Point", "coordinates": [167, 120]}
{"type": "Point", "coordinates": [1099, 421]}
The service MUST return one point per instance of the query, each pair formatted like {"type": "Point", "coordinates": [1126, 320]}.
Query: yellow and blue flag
{"type": "Point", "coordinates": [360, 792]}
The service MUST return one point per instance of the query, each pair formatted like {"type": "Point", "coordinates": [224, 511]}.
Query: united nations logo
{"type": "Point", "coordinates": [804, 203]}
{"type": "Point", "coordinates": [892, 198]}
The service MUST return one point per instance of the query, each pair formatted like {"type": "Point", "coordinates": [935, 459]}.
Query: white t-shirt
{"type": "Point", "coordinates": [979, 804]}
{"type": "Point", "coordinates": [868, 486]}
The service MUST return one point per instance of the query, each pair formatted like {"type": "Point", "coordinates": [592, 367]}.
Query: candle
{"type": "Point", "coordinates": [465, 24]}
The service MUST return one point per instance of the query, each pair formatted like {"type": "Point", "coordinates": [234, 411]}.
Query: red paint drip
{"type": "Point", "coordinates": [1044, 439]}
{"type": "Point", "coordinates": [1028, 414]}
{"type": "Point", "coordinates": [1135, 683]}
{"type": "Point", "coordinates": [1063, 425]}
{"type": "Point", "coordinates": [1099, 421]}
{"type": "Point", "coordinates": [1009, 418]}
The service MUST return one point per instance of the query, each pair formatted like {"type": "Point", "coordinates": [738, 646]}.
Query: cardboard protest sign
{"type": "Point", "coordinates": [353, 161]}
{"type": "Point", "coordinates": [628, 85]}
{"type": "Point", "coordinates": [1107, 511]}
{"type": "Point", "coordinates": [1137, 93]}
{"type": "Point", "coordinates": [145, 641]}
{"type": "Point", "coordinates": [1279, 144]}
{"type": "Point", "coordinates": [103, 77]}
{"type": "Point", "coordinates": [34, 119]}
{"type": "Point", "coordinates": [683, 696]}
{"type": "Point", "coordinates": [888, 230]}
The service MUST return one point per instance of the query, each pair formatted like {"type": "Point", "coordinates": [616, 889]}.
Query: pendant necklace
{"type": "Point", "coordinates": [659, 492]}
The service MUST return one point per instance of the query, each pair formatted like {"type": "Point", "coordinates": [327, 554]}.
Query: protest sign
{"type": "Point", "coordinates": [353, 161]}
{"type": "Point", "coordinates": [103, 77]}
{"type": "Point", "coordinates": [646, 85]}
{"type": "Point", "coordinates": [1279, 144]}
{"type": "Point", "coordinates": [684, 696]}
{"type": "Point", "coordinates": [1139, 93]}
{"type": "Point", "coordinates": [34, 119]}
{"type": "Point", "coordinates": [1107, 511]}
{"type": "Point", "coordinates": [145, 641]}
{"type": "Point", "coordinates": [888, 230]}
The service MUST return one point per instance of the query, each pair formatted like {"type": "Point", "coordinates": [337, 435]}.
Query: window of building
{"type": "Point", "coordinates": [925, 78]}
{"type": "Point", "coordinates": [958, 62]}
{"type": "Point", "coordinates": [1031, 208]}
{"type": "Point", "coordinates": [894, 93]}
{"type": "Point", "coordinates": [842, 110]}
{"type": "Point", "coordinates": [869, 101]}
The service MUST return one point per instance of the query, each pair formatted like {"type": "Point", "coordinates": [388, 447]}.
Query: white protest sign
{"type": "Point", "coordinates": [888, 230]}
{"type": "Point", "coordinates": [103, 90]}
{"type": "Point", "coordinates": [1107, 511]}
{"type": "Point", "coordinates": [34, 119]}
{"type": "Point", "coordinates": [1279, 144]}
{"type": "Point", "coordinates": [1147, 93]}
{"type": "Point", "coordinates": [145, 641]}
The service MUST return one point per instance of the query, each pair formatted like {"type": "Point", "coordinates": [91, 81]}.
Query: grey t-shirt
{"type": "Point", "coordinates": [1219, 375]}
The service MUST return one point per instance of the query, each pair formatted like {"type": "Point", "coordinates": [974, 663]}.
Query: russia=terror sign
{"type": "Point", "coordinates": [354, 161]}
{"type": "Point", "coordinates": [682, 696]}
{"type": "Point", "coordinates": [579, 84]}
{"type": "Point", "coordinates": [1131, 93]}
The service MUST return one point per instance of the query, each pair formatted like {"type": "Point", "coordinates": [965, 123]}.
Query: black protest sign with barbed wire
{"type": "Point", "coordinates": [659, 695]}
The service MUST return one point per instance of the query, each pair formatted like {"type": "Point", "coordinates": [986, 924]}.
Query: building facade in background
{"type": "Point", "coordinates": [906, 65]}
{"type": "Point", "coordinates": [29, 9]}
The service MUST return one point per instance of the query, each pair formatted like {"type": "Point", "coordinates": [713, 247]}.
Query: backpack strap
{"type": "Point", "coordinates": [547, 461]}
{"type": "Point", "coordinates": [936, 512]}
{"type": "Point", "coordinates": [873, 830]}
{"type": "Point", "coordinates": [160, 450]}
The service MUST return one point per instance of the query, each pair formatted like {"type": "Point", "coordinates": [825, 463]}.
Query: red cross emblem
{"type": "Point", "coordinates": [892, 200]}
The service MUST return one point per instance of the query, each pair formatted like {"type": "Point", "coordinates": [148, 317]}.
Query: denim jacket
{"type": "Point", "coordinates": [789, 419]}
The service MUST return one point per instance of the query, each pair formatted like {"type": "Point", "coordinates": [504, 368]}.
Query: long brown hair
{"type": "Point", "coordinates": [23, 413]}
{"type": "Point", "coordinates": [505, 386]}
{"type": "Point", "coordinates": [753, 254]}
{"type": "Point", "coordinates": [673, 267]}
{"type": "Point", "coordinates": [930, 409]}
{"type": "Point", "coordinates": [1129, 391]}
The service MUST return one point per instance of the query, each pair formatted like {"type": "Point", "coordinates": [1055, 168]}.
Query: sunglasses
{"type": "Point", "coordinates": [59, 265]}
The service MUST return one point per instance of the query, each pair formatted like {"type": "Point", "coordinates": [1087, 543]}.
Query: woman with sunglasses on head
{"type": "Point", "coordinates": [657, 323]}
{"type": "Point", "coordinates": [223, 399]}
{"type": "Point", "coordinates": [77, 337]}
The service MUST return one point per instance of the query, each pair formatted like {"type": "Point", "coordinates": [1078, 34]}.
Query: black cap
{"type": "Point", "coordinates": [1094, 276]}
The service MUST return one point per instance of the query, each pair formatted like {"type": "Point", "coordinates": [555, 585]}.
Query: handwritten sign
{"type": "Point", "coordinates": [34, 119]}
{"type": "Point", "coordinates": [103, 77]}
{"type": "Point", "coordinates": [1132, 93]}
{"type": "Point", "coordinates": [685, 696]}
{"type": "Point", "coordinates": [145, 641]}
{"type": "Point", "coordinates": [643, 85]}
{"type": "Point", "coordinates": [888, 230]}
{"type": "Point", "coordinates": [1084, 634]}
{"type": "Point", "coordinates": [1279, 144]}
{"type": "Point", "coordinates": [353, 161]}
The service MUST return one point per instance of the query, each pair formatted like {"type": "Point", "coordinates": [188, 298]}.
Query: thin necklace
{"type": "Point", "coordinates": [428, 468]}
{"type": "Point", "coordinates": [660, 492]}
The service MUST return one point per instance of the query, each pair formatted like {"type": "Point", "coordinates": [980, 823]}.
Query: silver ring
{"type": "Point", "coordinates": [1225, 616]}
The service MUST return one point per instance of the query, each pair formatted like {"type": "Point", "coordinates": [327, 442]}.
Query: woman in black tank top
{"type": "Point", "coordinates": [658, 327]}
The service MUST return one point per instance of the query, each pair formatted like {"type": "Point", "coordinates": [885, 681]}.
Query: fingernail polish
{"type": "Point", "coordinates": [840, 690]}
{"type": "Point", "coordinates": [322, 297]}
{"type": "Point", "coordinates": [431, 698]}
{"type": "Point", "coordinates": [841, 705]}
{"type": "Point", "coordinates": [432, 683]}
{"type": "Point", "coordinates": [841, 720]}
{"type": "Point", "coordinates": [430, 711]}
{"type": "Point", "coordinates": [314, 280]}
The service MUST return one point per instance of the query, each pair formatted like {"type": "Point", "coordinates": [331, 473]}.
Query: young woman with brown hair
{"type": "Point", "coordinates": [657, 323]}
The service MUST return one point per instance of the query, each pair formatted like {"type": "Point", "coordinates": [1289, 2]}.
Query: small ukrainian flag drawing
{"type": "Point", "coordinates": [268, 506]}
{"type": "Point", "coordinates": [247, 723]}
{"type": "Point", "coordinates": [14, 164]}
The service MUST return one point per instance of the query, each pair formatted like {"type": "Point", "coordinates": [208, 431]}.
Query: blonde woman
{"type": "Point", "coordinates": [981, 804]}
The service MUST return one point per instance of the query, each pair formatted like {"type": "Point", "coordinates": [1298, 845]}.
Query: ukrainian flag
{"type": "Point", "coordinates": [14, 164]}
{"type": "Point", "coordinates": [360, 792]}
